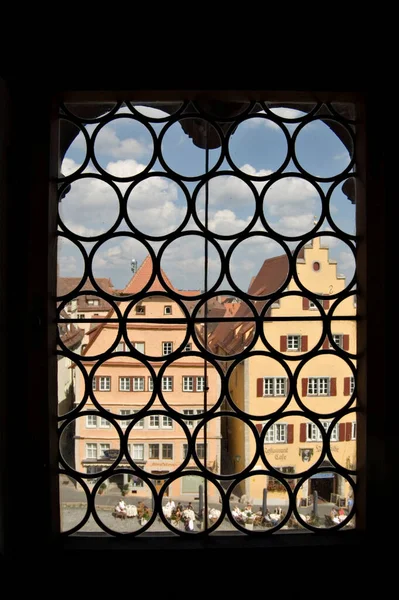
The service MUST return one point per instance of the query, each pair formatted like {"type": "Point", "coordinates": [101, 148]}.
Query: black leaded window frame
{"type": "Point", "coordinates": [372, 229]}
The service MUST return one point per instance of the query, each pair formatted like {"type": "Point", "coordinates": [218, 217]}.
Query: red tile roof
{"type": "Point", "coordinates": [65, 285]}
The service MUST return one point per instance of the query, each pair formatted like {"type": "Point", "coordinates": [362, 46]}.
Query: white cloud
{"type": "Point", "coordinates": [68, 167]}
{"type": "Point", "coordinates": [291, 196]}
{"type": "Point", "coordinates": [292, 225]}
{"type": "Point", "coordinates": [107, 142]}
{"type": "Point", "coordinates": [68, 266]}
{"type": "Point", "coordinates": [250, 170]}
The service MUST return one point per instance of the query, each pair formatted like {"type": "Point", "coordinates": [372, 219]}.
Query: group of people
{"type": "Point", "coordinates": [125, 510]}
{"type": "Point", "coordinates": [337, 515]}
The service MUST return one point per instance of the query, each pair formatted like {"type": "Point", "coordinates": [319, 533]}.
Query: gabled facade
{"type": "Point", "coordinates": [259, 385]}
{"type": "Point", "coordinates": [123, 385]}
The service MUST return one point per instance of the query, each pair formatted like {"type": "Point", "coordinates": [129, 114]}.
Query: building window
{"type": "Point", "coordinates": [190, 411]}
{"type": "Point", "coordinates": [154, 422]}
{"type": "Point", "coordinates": [153, 451]}
{"type": "Point", "coordinates": [124, 411]}
{"type": "Point", "coordinates": [120, 347]}
{"type": "Point", "coordinates": [93, 302]}
{"type": "Point", "coordinates": [167, 451]}
{"type": "Point", "coordinates": [167, 348]}
{"type": "Point", "coordinates": [91, 421]}
{"type": "Point", "coordinates": [188, 384]}
{"type": "Point", "coordinates": [274, 386]}
{"type": "Point", "coordinates": [105, 384]}
{"type": "Point", "coordinates": [140, 309]}
{"type": "Point", "coordinates": [312, 305]}
{"type": "Point", "coordinates": [94, 384]}
{"type": "Point", "coordinates": [318, 386]}
{"type": "Point", "coordinates": [138, 384]}
{"type": "Point", "coordinates": [353, 430]}
{"type": "Point", "coordinates": [104, 423]}
{"type": "Point", "coordinates": [137, 451]}
{"type": "Point", "coordinates": [104, 448]}
{"type": "Point", "coordinates": [167, 384]}
{"type": "Point", "coordinates": [140, 423]}
{"type": "Point", "coordinates": [167, 422]}
{"type": "Point", "coordinates": [187, 348]}
{"type": "Point", "coordinates": [338, 339]}
{"type": "Point", "coordinates": [139, 346]}
{"type": "Point", "coordinates": [200, 449]}
{"type": "Point", "coordinates": [313, 433]}
{"type": "Point", "coordinates": [352, 384]}
{"type": "Point", "coordinates": [200, 383]}
{"type": "Point", "coordinates": [316, 266]}
{"type": "Point", "coordinates": [81, 316]}
{"type": "Point", "coordinates": [293, 343]}
{"type": "Point", "coordinates": [150, 384]}
{"type": "Point", "coordinates": [124, 384]}
{"type": "Point", "coordinates": [91, 450]}
{"type": "Point", "coordinates": [167, 310]}
{"type": "Point", "coordinates": [277, 434]}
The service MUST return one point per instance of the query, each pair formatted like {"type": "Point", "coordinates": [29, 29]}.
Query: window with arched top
{"type": "Point", "coordinates": [214, 199]}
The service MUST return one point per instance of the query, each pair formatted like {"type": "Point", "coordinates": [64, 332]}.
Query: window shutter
{"type": "Point", "coordinates": [304, 343]}
{"type": "Point", "coordinates": [341, 436]}
{"type": "Point", "coordinates": [346, 386]}
{"type": "Point", "coordinates": [346, 342]}
{"type": "Point", "coordinates": [290, 434]}
{"type": "Point", "coordinates": [305, 303]}
{"type": "Point", "coordinates": [304, 386]}
{"type": "Point", "coordinates": [333, 386]}
{"type": "Point", "coordinates": [259, 427]}
{"type": "Point", "coordinates": [348, 431]}
{"type": "Point", "coordinates": [326, 343]}
{"type": "Point", "coordinates": [283, 343]}
{"type": "Point", "coordinates": [302, 432]}
{"type": "Point", "coordinates": [326, 304]}
{"type": "Point", "coordinates": [259, 387]}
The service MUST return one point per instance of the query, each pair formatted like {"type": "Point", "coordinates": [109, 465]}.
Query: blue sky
{"type": "Point", "coordinates": [158, 205]}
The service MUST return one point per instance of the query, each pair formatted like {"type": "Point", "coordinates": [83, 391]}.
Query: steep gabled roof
{"type": "Point", "coordinates": [141, 277]}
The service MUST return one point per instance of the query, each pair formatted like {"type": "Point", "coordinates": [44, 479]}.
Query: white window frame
{"type": "Point", "coordinates": [200, 378]}
{"type": "Point", "coordinates": [167, 348]}
{"type": "Point", "coordinates": [277, 385]}
{"type": "Point", "coordinates": [338, 339]}
{"type": "Point", "coordinates": [94, 384]}
{"type": "Point", "coordinates": [313, 433]}
{"type": "Point", "coordinates": [351, 384]}
{"type": "Point", "coordinates": [120, 347]}
{"type": "Point", "coordinates": [354, 430]}
{"type": "Point", "coordinates": [150, 384]}
{"type": "Point", "coordinates": [290, 342]}
{"type": "Point", "coordinates": [101, 449]}
{"type": "Point", "coordinates": [123, 387]}
{"type": "Point", "coordinates": [187, 347]}
{"type": "Point", "coordinates": [167, 310]}
{"type": "Point", "coordinates": [134, 448]}
{"type": "Point", "coordinates": [187, 381]}
{"type": "Point", "coordinates": [277, 434]}
{"type": "Point", "coordinates": [140, 423]}
{"type": "Point", "coordinates": [91, 450]}
{"type": "Point", "coordinates": [138, 384]}
{"type": "Point", "coordinates": [312, 305]}
{"type": "Point", "coordinates": [104, 384]}
{"type": "Point", "coordinates": [167, 384]}
{"type": "Point", "coordinates": [141, 311]}
{"type": "Point", "coordinates": [188, 412]}
{"type": "Point", "coordinates": [319, 386]}
{"type": "Point", "coordinates": [152, 419]}
{"type": "Point", "coordinates": [92, 418]}
{"type": "Point", "coordinates": [139, 346]}
{"type": "Point", "coordinates": [104, 423]}
{"type": "Point", "coordinates": [124, 411]}
{"type": "Point", "coordinates": [167, 422]}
